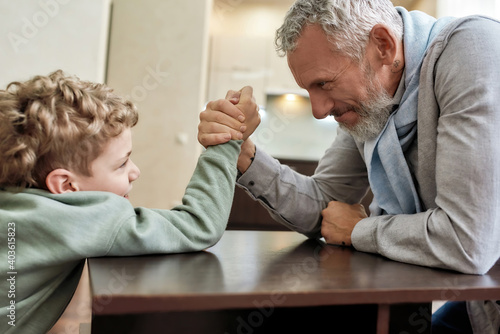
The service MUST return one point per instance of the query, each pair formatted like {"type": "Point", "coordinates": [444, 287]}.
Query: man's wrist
{"type": "Point", "coordinates": [246, 157]}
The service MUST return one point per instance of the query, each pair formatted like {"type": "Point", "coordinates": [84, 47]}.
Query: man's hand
{"type": "Point", "coordinates": [235, 117]}
{"type": "Point", "coordinates": [339, 220]}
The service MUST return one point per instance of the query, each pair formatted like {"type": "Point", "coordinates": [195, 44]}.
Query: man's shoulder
{"type": "Point", "coordinates": [467, 35]}
{"type": "Point", "coordinates": [471, 28]}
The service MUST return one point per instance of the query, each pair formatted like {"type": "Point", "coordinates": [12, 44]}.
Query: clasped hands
{"type": "Point", "coordinates": [236, 117]}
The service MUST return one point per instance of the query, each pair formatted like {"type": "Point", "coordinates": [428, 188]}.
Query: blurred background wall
{"type": "Point", "coordinates": [170, 57]}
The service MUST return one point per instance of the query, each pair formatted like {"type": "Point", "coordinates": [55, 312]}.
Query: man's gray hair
{"type": "Point", "coordinates": [347, 23]}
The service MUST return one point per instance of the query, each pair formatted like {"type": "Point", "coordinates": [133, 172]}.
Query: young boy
{"type": "Point", "coordinates": [65, 176]}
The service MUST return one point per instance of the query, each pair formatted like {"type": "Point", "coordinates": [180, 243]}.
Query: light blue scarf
{"type": "Point", "coordinates": [390, 178]}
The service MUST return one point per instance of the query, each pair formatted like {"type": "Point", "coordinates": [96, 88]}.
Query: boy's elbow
{"type": "Point", "coordinates": [212, 235]}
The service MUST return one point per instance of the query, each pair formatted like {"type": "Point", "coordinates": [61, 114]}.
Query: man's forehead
{"type": "Point", "coordinates": [311, 61]}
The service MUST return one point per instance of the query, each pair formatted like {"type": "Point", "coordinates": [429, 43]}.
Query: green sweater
{"type": "Point", "coordinates": [45, 238]}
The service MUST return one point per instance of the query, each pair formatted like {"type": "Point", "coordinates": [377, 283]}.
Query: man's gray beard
{"type": "Point", "coordinates": [374, 111]}
{"type": "Point", "coordinates": [373, 117]}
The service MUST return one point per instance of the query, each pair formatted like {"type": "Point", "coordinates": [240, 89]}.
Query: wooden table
{"type": "Point", "coordinates": [251, 278]}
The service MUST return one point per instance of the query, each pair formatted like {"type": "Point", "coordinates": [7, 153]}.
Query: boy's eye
{"type": "Point", "coordinates": [124, 164]}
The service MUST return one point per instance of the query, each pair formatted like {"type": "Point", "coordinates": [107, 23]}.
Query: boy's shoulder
{"type": "Point", "coordinates": [39, 202]}
{"type": "Point", "coordinates": [85, 220]}
{"type": "Point", "coordinates": [76, 197]}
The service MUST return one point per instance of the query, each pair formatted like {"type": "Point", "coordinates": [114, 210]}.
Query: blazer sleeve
{"type": "Point", "coordinates": [297, 200]}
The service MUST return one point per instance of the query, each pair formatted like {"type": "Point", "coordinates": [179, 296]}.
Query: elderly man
{"type": "Point", "coordinates": [417, 101]}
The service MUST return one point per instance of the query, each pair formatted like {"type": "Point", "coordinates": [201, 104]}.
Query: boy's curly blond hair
{"type": "Point", "coordinates": [56, 121]}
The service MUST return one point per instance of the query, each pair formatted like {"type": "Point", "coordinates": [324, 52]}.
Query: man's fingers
{"type": "Point", "coordinates": [250, 108]}
{"type": "Point", "coordinates": [246, 95]}
{"type": "Point", "coordinates": [233, 96]}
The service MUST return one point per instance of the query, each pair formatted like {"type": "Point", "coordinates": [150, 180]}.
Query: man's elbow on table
{"type": "Point", "coordinates": [479, 264]}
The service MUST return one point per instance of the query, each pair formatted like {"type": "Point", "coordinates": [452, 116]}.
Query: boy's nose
{"type": "Point", "coordinates": [135, 172]}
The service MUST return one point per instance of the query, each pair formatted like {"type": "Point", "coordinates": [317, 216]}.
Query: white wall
{"type": "Point", "coordinates": [158, 58]}
{"type": "Point", "coordinates": [460, 8]}
{"type": "Point", "coordinates": [242, 48]}
{"type": "Point", "coordinates": [40, 36]}
{"type": "Point", "coordinates": [243, 53]}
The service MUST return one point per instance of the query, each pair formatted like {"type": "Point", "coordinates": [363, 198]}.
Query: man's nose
{"type": "Point", "coordinates": [321, 104]}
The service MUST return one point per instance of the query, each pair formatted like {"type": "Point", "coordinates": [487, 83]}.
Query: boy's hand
{"type": "Point", "coordinates": [220, 122]}
{"type": "Point", "coordinates": [235, 117]}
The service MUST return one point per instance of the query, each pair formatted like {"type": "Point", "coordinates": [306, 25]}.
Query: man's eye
{"type": "Point", "coordinates": [323, 84]}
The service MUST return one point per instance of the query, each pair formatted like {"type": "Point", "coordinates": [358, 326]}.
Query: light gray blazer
{"type": "Point", "coordinates": [455, 161]}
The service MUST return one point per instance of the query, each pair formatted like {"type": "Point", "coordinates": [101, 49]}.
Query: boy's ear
{"type": "Point", "coordinates": [60, 181]}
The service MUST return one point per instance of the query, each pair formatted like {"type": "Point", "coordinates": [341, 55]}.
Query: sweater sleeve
{"type": "Point", "coordinates": [197, 223]}
{"type": "Point", "coordinates": [461, 229]}
{"type": "Point", "coordinates": [54, 233]}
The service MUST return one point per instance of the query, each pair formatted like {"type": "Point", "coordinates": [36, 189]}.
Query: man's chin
{"type": "Point", "coordinates": [368, 125]}
{"type": "Point", "coordinates": [359, 132]}
{"type": "Point", "coordinates": [348, 119]}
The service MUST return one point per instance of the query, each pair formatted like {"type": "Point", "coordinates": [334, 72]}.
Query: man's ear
{"type": "Point", "coordinates": [385, 42]}
{"type": "Point", "coordinates": [60, 181]}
